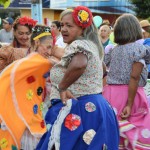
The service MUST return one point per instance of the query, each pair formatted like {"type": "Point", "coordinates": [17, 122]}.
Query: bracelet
{"type": "Point", "coordinates": [60, 90]}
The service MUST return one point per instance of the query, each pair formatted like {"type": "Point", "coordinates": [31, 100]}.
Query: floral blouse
{"type": "Point", "coordinates": [90, 82]}
{"type": "Point", "coordinates": [120, 60]}
{"type": "Point", "coordinates": [8, 54]}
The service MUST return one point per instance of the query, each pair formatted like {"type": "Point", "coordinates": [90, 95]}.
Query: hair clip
{"type": "Point", "coordinates": [41, 29]}
{"type": "Point", "coordinates": [47, 29]}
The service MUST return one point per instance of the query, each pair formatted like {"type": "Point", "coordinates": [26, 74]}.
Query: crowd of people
{"type": "Point", "coordinates": [70, 86]}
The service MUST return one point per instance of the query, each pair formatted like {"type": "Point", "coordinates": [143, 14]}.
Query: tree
{"type": "Point", "coordinates": [141, 8]}
{"type": "Point", "coordinates": [5, 3]}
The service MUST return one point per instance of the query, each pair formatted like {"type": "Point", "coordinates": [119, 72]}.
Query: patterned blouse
{"type": "Point", "coordinates": [90, 82]}
{"type": "Point", "coordinates": [8, 54]}
{"type": "Point", "coordinates": [120, 60]}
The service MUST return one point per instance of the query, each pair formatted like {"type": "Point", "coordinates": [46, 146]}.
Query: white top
{"type": "Point", "coordinates": [6, 37]}
{"type": "Point", "coordinates": [59, 41]}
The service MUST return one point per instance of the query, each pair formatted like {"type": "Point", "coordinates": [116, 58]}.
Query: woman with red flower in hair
{"type": "Point", "coordinates": [19, 47]}
{"type": "Point", "coordinates": [22, 32]}
{"type": "Point", "coordinates": [79, 117]}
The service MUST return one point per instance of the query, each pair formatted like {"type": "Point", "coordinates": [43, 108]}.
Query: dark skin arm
{"type": "Point", "coordinates": [104, 67]}
{"type": "Point", "coordinates": [133, 85]}
{"type": "Point", "coordinates": [104, 76]}
{"type": "Point", "coordinates": [75, 69]}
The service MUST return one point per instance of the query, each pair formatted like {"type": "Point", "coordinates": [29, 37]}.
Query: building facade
{"type": "Point", "coordinates": [107, 9]}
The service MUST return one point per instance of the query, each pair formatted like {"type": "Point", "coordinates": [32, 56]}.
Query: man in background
{"type": "Point", "coordinates": [56, 28]}
{"type": "Point", "coordinates": [104, 33]}
{"type": "Point", "coordinates": [6, 34]}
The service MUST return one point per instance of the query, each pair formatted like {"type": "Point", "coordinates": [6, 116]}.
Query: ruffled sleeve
{"type": "Point", "coordinates": [142, 52]}
{"type": "Point", "coordinates": [78, 46]}
{"type": "Point", "coordinates": [107, 56]}
{"type": "Point", "coordinates": [147, 56]}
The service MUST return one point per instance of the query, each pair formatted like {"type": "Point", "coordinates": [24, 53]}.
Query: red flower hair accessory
{"type": "Point", "coordinates": [26, 20]}
{"type": "Point", "coordinates": [82, 16]}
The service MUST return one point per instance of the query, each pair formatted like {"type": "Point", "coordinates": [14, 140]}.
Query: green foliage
{"type": "Point", "coordinates": [142, 8]}
{"type": "Point", "coordinates": [5, 3]}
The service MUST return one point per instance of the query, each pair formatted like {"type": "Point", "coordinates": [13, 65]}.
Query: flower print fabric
{"type": "Point", "coordinates": [90, 82]}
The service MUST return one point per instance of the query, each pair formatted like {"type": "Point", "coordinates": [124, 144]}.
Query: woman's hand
{"type": "Point", "coordinates": [136, 71]}
{"type": "Point", "coordinates": [53, 60]}
{"type": "Point", "coordinates": [65, 95]}
{"type": "Point", "coordinates": [126, 112]}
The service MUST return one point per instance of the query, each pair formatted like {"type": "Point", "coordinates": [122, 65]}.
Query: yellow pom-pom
{"type": "Point", "coordinates": [84, 16]}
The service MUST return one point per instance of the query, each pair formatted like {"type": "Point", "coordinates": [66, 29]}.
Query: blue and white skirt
{"type": "Point", "coordinates": [88, 123]}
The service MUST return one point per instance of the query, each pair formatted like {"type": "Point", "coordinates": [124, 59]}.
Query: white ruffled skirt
{"type": "Point", "coordinates": [28, 141]}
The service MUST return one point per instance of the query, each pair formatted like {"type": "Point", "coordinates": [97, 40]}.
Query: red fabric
{"type": "Point", "coordinates": [26, 20]}
{"type": "Point", "coordinates": [72, 122]}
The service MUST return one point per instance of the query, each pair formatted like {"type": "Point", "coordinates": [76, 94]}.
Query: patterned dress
{"type": "Point", "coordinates": [134, 131]}
{"type": "Point", "coordinates": [87, 123]}
{"type": "Point", "coordinates": [8, 54]}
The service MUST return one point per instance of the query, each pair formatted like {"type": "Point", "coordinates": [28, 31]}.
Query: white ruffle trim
{"type": "Point", "coordinates": [14, 98]}
{"type": "Point", "coordinates": [28, 141]}
{"type": "Point", "coordinates": [56, 128]}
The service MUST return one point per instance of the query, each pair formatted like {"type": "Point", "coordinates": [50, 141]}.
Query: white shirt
{"type": "Point", "coordinates": [59, 41]}
{"type": "Point", "coordinates": [6, 37]}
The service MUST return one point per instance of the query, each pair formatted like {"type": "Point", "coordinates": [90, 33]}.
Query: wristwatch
{"type": "Point", "coordinates": [59, 89]}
